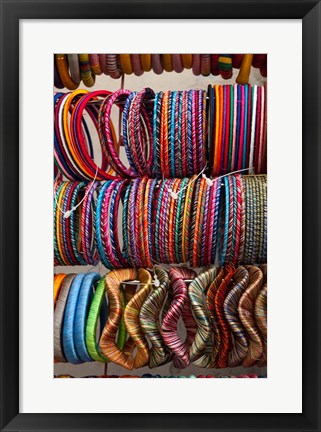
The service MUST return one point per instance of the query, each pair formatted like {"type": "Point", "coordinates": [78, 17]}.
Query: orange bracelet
{"type": "Point", "coordinates": [62, 66]}
{"type": "Point", "coordinates": [146, 61]}
{"type": "Point", "coordinates": [187, 60]}
{"type": "Point", "coordinates": [58, 278]}
{"type": "Point", "coordinates": [167, 62]}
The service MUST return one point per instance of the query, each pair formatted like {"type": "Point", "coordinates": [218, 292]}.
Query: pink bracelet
{"type": "Point", "coordinates": [177, 63]}
{"type": "Point", "coordinates": [136, 64]}
{"type": "Point", "coordinates": [157, 64]}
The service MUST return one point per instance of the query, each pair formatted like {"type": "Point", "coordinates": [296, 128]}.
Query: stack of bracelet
{"type": "Point", "coordinates": [71, 69]}
{"type": "Point", "coordinates": [169, 221]}
{"type": "Point", "coordinates": [237, 129]}
{"type": "Point", "coordinates": [224, 311]}
{"type": "Point", "coordinates": [168, 134]}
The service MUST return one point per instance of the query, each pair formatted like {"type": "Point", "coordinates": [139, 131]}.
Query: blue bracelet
{"type": "Point", "coordinates": [69, 317]}
{"type": "Point", "coordinates": [124, 131]}
{"type": "Point", "coordinates": [81, 313]}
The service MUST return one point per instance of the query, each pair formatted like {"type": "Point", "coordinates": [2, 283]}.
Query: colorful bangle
{"type": "Point", "coordinates": [176, 309]}
{"type": "Point", "coordinates": [246, 314]}
{"type": "Point", "coordinates": [231, 302]}
{"type": "Point", "coordinates": [86, 74]}
{"type": "Point", "coordinates": [95, 64]}
{"type": "Point", "coordinates": [149, 317]}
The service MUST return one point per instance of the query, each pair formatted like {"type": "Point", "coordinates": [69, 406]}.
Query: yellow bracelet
{"type": "Point", "coordinates": [146, 61]}
{"type": "Point", "coordinates": [85, 70]}
{"type": "Point", "coordinates": [126, 64]}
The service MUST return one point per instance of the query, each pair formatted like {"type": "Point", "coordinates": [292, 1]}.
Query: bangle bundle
{"type": "Point", "coordinates": [71, 68]}
{"type": "Point", "coordinates": [141, 222]}
{"type": "Point", "coordinates": [172, 134]}
{"type": "Point", "coordinates": [237, 129]}
{"type": "Point", "coordinates": [139, 314]}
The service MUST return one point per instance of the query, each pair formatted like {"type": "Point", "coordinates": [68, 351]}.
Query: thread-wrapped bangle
{"type": "Point", "coordinates": [225, 337]}
{"type": "Point", "coordinates": [200, 355]}
{"type": "Point", "coordinates": [131, 318]}
{"type": "Point", "coordinates": [59, 317]}
{"type": "Point", "coordinates": [98, 305]}
{"type": "Point", "coordinates": [81, 313]}
{"type": "Point", "coordinates": [149, 317]}
{"type": "Point", "coordinates": [107, 341]}
{"type": "Point", "coordinates": [85, 70]}
{"type": "Point", "coordinates": [68, 340]}
{"type": "Point", "coordinates": [239, 340]}
{"type": "Point", "coordinates": [88, 225]}
{"type": "Point", "coordinates": [246, 313]}
{"type": "Point", "coordinates": [62, 66]}
{"type": "Point", "coordinates": [176, 309]}
{"type": "Point", "coordinates": [95, 64]}
{"type": "Point", "coordinates": [260, 312]}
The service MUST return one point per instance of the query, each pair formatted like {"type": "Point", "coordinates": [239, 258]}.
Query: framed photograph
{"type": "Point", "coordinates": [154, 193]}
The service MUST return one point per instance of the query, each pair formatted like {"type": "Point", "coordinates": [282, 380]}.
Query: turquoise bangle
{"type": "Point", "coordinates": [69, 317]}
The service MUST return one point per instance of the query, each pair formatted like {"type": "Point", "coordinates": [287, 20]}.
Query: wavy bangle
{"type": "Point", "coordinates": [131, 318]}
{"type": "Point", "coordinates": [179, 306]}
{"type": "Point", "coordinates": [149, 317]}
{"type": "Point", "coordinates": [225, 337]}
{"type": "Point", "coordinates": [201, 350]}
{"type": "Point", "coordinates": [107, 342]}
{"type": "Point", "coordinates": [240, 341]}
{"type": "Point", "coordinates": [246, 314]}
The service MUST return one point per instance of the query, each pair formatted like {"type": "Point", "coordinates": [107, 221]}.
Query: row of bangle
{"type": "Point", "coordinates": [237, 129]}
{"type": "Point", "coordinates": [167, 134]}
{"type": "Point", "coordinates": [224, 311]}
{"type": "Point", "coordinates": [71, 69]}
{"type": "Point", "coordinates": [193, 221]}
{"type": "Point", "coordinates": [162, 376]}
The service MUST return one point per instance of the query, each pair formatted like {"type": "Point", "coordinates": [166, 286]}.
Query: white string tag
{"type": "Point", "coordinates": [173, 194]}
{"type": "Point", "coordinates": [209, 181]}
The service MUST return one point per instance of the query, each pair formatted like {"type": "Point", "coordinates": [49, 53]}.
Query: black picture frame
{"type": "Point", "coordinates": [11, 12]}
